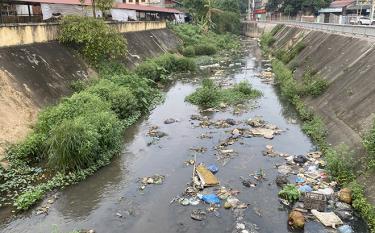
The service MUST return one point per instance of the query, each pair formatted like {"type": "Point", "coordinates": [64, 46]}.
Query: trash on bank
{"type": "Point", "coordinates": [296, 219]}
{"type": "Point", "coordinates": [148, 180]}
{"type": "Point", "coordinates": [198, 215]}
{"type": "Point", "coordinates": [209, 198]}
{"type": "Point", "coordinates": [328, 219]}
{"type": "Point", "coordinates": [345, 195]}
{"type": "Point", "coordinates": [206, 177]}
{"type": "Point", "coordinates": [315, 201]}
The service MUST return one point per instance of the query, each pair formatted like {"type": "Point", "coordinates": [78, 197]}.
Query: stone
{"type": "Point", "coordinates": [281, 180]}
{"type": "Point", "coordinates": [296, 219]}
{"type": "Point", "coordinates": [230, 121]}
{"type": "Point", "coordinates": [169, 121]}
{"type": "Point", "coordinates": [345, 195]}
{"type": "Point", "coordinates": [343, 206]}
{"type": "Point", "coordinates": [198, 215]}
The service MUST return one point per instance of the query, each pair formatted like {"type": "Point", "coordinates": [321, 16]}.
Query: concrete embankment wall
{"type": "Point", "coordinates": [34, 76]}
{"type": "Point", "coordinates": [22, 34]}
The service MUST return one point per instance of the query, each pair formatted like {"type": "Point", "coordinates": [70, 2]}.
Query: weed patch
{"type": "Point", "coordinates": [210, 95]}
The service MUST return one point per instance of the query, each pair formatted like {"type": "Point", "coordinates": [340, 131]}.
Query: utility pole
{"type": "Point", "coordinates": [372, 10]}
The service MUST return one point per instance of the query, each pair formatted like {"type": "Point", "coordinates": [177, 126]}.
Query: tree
{"type": "Point", "coordinates": [292, 7]}
{"type": "Point", "coordinates": [103, 5]}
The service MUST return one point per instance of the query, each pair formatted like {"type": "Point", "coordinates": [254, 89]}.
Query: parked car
{"type": "Point", "coordinates": [362, 20]}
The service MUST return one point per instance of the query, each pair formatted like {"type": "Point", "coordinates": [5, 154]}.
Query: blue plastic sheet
{"type": "Point", "coordinates": [210, 198]}
{"type": "Point", "coordinates": [300, 180]}
{"type": "Point", "coordinates": [305, 189]}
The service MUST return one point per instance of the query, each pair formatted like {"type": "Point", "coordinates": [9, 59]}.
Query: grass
{"type": "Point", "coordinates": [290, 192]}
{"type": "Point", "coordinates": [210, 95]}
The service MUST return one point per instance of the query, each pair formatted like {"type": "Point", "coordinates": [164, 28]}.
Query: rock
{"type": "Point", "coordinates": [248, 183]}
{"type": "Point", "coordinates": [344, 215]}
{"type": "Point", "coordinates": [236, 133]}
{"type": "Point", "coordinates": [296, 219]}
{"type": "Point", "coordinates": [230, 121]}
{"type": "Point", "coordinates": [198, 215]}
{"type": "Point", "coordinates": [300, 159]}
{"type": "Point", "coordinates": [169, 121]}
{"type": "Point", "coordinates": [256, 122]}
{"type": "Point", "coordinates": [345, 195]}
{"type": "Point", "coordinates": [227, 205]}
{"type": "Point", "coordinates": [343, 206]}
{"type": "Point", "coordinates": [281, 180]}
{"type": "Point", "coordinates": [196, 117]}
{"type": "Point", "coordinates": [240, 226]}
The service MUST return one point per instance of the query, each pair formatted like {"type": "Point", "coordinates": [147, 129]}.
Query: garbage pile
{"type": "Point", "coordinates": [312, 195]}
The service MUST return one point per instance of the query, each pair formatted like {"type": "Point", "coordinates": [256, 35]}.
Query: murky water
{"type": "Point", "coordinates": [97, 202]}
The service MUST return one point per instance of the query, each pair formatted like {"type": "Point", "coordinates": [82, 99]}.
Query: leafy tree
{"type": "Point", "coordinates": [103, 5]}
{"type": "Point", "coordinates": [292, 7]}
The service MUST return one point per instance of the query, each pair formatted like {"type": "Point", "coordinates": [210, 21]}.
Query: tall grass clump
{"type": "Point", "coordinates": [369, 143]}
{"type": "Point", "coordinates": [340, 164]}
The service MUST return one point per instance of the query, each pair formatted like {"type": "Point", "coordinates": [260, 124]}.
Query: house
{"type": "Point", "coordinates": [17, 11]}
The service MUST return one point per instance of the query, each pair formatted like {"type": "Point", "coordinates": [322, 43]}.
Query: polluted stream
{"type": "Point", "coordinates": [123, 196]}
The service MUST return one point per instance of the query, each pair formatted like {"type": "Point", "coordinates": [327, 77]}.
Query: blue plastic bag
{"type": "Point", "coordinates": [213, 168]}
{"type": "Point", "coordinates": [305, 189]}
{"type": "Point", "coordinates": [300, 180]}
{"type": "Point", "coordinates": [345, 229]}
{"type": "Point", "coordinates": [210, 198]}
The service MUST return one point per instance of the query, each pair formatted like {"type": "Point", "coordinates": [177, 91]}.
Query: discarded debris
{"type": "Point", "coordinates": [328, 219]}
{"type": "Point", "coordinates": [213, 168]}
{"type": "Point", "coordinates": [345, 229]}
{"type": "Point", "coordinates": [206, 177]}
{"type": "Point", "coordinates": [154, 132]}
{"type": "Point", "coordinates": [315, 201]}
{"type": "Point", "coordinates": [296, 219]}
{"type": "Point", "coordinates": [345, 195]}
{"type": "Point", "coordinates": [170, 121]}
{"type": "Point", "coordinates": [148, 180]}
{"type": "Point", "coordinates": [199, 149]}
{"type": "Point", "coordinates": [198, 215]}
{"type": "Point", "coordinates": [281, 180]}
{"type": "Point", "coordinates": [209, 198]}
{"type": "Point", "coordinates": [300, 159]}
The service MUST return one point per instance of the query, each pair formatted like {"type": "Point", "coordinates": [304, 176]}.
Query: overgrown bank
{"type": "Point", "coordinates": [83, 132]}
{"type": "Point", "coordinates": [340, 163]}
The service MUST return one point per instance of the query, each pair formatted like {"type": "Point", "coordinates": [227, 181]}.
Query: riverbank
{"type": "Point", "coordinates": [301, 84]}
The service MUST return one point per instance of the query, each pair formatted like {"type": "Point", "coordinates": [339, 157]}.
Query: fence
{"type": "Point", "coordinates": [368, 31]}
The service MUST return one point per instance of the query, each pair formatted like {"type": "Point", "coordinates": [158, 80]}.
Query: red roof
{"type": "Point", "coordinates": [341, 3]}
{"type": "Point", "coordinates": [140, 7]}
{"type": "Point", "coordinates": [137, 7]}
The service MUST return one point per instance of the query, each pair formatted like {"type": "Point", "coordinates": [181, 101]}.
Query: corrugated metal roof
{"type": "Point", "coordinates": [137, 7]}
{"type": "Point", "coordinates": [340, 3]}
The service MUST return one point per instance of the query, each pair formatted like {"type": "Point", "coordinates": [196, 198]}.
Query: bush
{"type": "Point", "coordinates": [30, 148]}
{"type": "Point", "coordinates": [204, 49]}
{"type": "Point", "coordinates": [188, 51]}
{"type": "Point", "coordinates": [27, 199]}
{"type": "Point", "coordinates": [206, 96]}
{"type": "Point", "coordinates": [340, 164]}
{"type": "Point", "coordinates": [69, 108]}
{"type": "Point", "coordinates": [122, 100]}
{"type": "Point", "coordinates": [226, 22]}
{"type": "Point", "coordinates": [266, 40]}
{"type": "Point", "coordinates": [209, 95]}
{"type": "Point", "coordinates": [312, 84]}
{"type": "Point", "coordinates": [290, 192]}
{"type": "Point", "coordinates": [93, 37]}
{"type": "Point", "coordinates": [78, 143]}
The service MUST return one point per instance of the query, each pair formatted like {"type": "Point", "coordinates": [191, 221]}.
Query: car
{"type": "Point", "coordinates": [362, 20]}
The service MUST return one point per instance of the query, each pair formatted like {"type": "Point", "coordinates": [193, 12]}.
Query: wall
{"type": "Point", "coordinates": [22, 34]}
{"type": "Point", "coordinates": [37, 75]}
{"type": "Point", "coordinates": [255, 29]}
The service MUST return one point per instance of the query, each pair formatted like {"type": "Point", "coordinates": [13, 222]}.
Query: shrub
{"type": "Point", "coordinates": [340, 164]}
{"type": "Point", "coordinates": [78, 143]}
{"type": "Point", "coordinates": [69, 108]}
{"type": "Point", "coordinates": [312, 84]}
{"type": "Point", "coordinates": [31, 148]}
{"type": "Point", "coordinates": [290, 192]}
{"type": "Point", "coordinates": [209, 95]}
{"type": "Point", "coordinates": [276, 29]}
{"type": "Point", "coordinates": [204, 49]}
{"type": "Point", "coordinates": [266, 40]}
{"type": "Point", "coordinates": [315, 128]}
{"type": "Point", "coordinates": [226, 22]}
{"type": "Point", "coordinates": [122, 100]}
{"type": "Point", "coordinates": [206, 96]}
{"type": "Point", "coordinates": [27, 199]}
{"type": "Point", "coordinates": [188, 51]}
{"type": "Point", "coordinates": [95, 39]}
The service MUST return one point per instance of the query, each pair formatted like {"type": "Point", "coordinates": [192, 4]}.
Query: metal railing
{"type": "Point", "coordinates": [359, 30]}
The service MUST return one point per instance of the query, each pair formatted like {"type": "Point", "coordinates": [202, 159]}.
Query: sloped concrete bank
{"type": "Point", "coordinates": [38, 75]}
{"type": "Point", "coordinates": [347, 107]}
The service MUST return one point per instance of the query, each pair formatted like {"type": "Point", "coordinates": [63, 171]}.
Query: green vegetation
{"type": "Point", "coordinates": [287, 55]}
{"type": "Point", "coordinates": [158, 69]}
{"type": "Point", "coordinates": [290, 192]}
{"type": "Point", "coordinates": [210, 95]}
{"type": "Point", "coordinates": [95, 40]}
{"type": "Point", "coordinates": [199, 42]}
{"type": "Point", "coordinates": [340, 163]}
{"type": "Point", "coordinates": [369, 143]}
{"type": "Point", "coordinates": [312, 84]}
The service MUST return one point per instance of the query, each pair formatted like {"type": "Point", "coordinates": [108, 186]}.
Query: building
{"type": "Point", "coordinates": [341, 11]}
{"type": "Point", "coordinates": [21, 11]}
{"type": "Point", "coordinates": [260, 12]}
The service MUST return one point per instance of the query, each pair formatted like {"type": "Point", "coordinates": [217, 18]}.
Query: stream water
{"type": "Point", "coordinates": [110, 201]}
